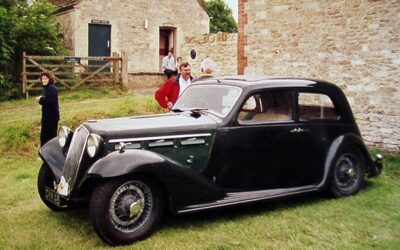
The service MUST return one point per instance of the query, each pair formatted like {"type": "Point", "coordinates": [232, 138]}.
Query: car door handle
{"type": "Point", "coordinates": [298, 130]}
{"type": "Point", "coordinates": [190, 159]}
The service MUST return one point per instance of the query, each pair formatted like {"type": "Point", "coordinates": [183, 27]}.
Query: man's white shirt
{"type": "Point", "coordinates": [183, 84]}
{"type": "Point", "coordinates": [168, 63]}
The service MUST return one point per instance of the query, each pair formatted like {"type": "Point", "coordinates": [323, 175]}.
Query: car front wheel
{"type": "Point", "coordinates": [126, 210]}
{"type": "Point", "coordinates": [348, 173]}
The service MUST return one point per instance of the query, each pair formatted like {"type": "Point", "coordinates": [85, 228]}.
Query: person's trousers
{"type": "Point", "coordinates": [48, 131]}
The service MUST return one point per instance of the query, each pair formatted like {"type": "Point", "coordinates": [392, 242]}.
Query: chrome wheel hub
{"type": "Point", "coordinates": [136, 208]}
{"type": "Point", "coordinates": [346, 173]}
{"type": "Point", "coordinates": [351, 172]}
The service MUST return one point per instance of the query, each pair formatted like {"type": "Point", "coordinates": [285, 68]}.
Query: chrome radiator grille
{"type": "Point", "coordinates": [74, 156]}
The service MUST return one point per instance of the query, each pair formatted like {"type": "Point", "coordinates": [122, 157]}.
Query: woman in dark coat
{"type": "Point", "coordinates": [50, 109]}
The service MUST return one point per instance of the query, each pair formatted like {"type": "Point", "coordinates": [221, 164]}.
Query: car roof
{"type": "Point", "coordinates": [250, 84]}
{"type": "Point", "coordinates": [255, 82]}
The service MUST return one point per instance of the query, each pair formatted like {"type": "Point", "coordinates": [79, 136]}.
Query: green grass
{"type": "Point", "coordinates": [369, 220]}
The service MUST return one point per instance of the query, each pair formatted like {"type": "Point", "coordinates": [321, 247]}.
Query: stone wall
{"type": "Point", "coordinates": [220, 47]}
{"type": "Point", "coordinates": [354, 44]}
{"type": "Point", "coordinates": [145, 81]}
{"type": "Point", "coordinates": [67, 27]}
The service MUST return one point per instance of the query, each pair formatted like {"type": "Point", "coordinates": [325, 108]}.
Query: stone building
{"type": "Point", "coordinates": [354, 44]}
{"type": "Point", "coordinates": [145, 29]}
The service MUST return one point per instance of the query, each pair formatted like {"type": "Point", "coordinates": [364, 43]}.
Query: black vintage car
{"type": "Point", "coordinates": [227, 141]}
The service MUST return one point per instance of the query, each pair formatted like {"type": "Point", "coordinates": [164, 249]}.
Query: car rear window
{"type": "Point", "coordinates": [315, 106]}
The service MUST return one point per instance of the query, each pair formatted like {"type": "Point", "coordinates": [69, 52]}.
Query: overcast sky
{"type": "Point", "coordinates": [234, 6]}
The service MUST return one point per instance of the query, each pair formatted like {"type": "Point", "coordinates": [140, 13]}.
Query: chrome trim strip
{"type": "Point", "coordinates": [158, 138]}
{"type": "Point", "coordinates": [129, 146]}
{"type": "Point", "coordinates": [193, 142]}
{"type": "Point", "coordinates": [161, 144]}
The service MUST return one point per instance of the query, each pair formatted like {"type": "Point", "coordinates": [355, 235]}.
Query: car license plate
{"type": "Point", "coordinates": [52, 196]}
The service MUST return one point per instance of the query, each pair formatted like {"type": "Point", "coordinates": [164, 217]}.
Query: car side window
{"type": "Point", "coordinates": [315, 106]}
{"type": "Point", "coordinates": [268, 106]}
{"type": "Point", "coordinates": [249, 109]}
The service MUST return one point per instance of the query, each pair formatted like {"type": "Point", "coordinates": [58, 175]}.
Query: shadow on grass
{"type": "Point", "coordinates": [77, 219]}
{"type": "Point", "coordinates": [221, 215]}
{"type": "Point", "coordinates": [237, 212]}
{"type": "Point", "coordinates": [369, 184]}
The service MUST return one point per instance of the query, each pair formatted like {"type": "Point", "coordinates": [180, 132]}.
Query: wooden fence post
{"type": "Point", "coordinates": [24, 83]}
{"type": "Point", "coordinates": [116, 69]}
{"type": "Point", "coordinates": [124, 68]}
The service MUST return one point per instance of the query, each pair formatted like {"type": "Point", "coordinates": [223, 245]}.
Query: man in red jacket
{"type": "Point", "coordinates": [169, 92]}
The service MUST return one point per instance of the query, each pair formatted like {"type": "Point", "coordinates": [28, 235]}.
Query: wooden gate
{"type": "Point", "coordinates": [72, 72]}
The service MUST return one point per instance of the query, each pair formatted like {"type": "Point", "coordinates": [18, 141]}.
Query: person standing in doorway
{"type": "Point", "coordinates": [50, 108]}
{"type": "Point", "coordinates": [168, 65]}
{"type": "Point", "coordinates": [169, 92]}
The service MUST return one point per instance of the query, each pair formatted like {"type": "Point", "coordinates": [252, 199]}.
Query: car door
{"type": "Point", "coordinates": [318, 124]}
{"type": "Point", "coordinates": [254, 152]}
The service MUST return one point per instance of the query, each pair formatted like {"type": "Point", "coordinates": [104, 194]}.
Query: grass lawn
{"type": "Point", "coordinates": [369, 220]}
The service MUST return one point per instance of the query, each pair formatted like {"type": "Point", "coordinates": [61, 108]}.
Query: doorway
{"type": "Point", "coordinates": [167, 43]}
{"type": "Point", "coordinates": [99, 42]}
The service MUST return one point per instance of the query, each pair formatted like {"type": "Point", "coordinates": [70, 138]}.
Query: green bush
{"type": "Point", "coordinates": [8, 90]}
{"type": "Point", "coordinates": [25, 27]}
{"type": "Point", "coordinates": [6, 38]}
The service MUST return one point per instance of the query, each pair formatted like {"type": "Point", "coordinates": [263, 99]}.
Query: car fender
{"type": "Point", "coordinates": [336, 146]}
{"type": "Point", "coordinates": [122, 163]}
{"type": "Point", "coordinates": [184, 186]}
{"type": "Point", "coordinates": [52, 155]}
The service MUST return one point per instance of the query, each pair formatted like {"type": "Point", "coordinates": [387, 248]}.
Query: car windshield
{"type": "Point", "coordinates": [216, 99]}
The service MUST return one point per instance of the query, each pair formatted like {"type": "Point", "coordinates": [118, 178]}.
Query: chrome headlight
{"type": "Point", "coordinates": [94, 143]}
{"type": "Point", "coordinates": [64, 136]}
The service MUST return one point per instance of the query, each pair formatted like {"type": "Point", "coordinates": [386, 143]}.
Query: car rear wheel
{"type": "Point", "coordinates": [348, 173]}
{"type": "Point", "coordinates": [126, 210]}
{"type": "Point", "coordinates": [46, 179]}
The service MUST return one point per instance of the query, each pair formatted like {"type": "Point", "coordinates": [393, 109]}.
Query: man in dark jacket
{"type": "Point", "coordinates": [50, 109]}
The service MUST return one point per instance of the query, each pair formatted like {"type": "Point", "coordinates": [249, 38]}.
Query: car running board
{"type": "Point", "coordinates": [237, 198]}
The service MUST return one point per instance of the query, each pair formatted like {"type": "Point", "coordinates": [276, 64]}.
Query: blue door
{"type": "Point", "coordinates": [99, 42]}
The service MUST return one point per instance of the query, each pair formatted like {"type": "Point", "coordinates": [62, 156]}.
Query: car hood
{"type": "Point", "coordinates": [151, 125]}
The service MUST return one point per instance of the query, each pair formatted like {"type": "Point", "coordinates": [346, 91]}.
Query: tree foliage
{"type": "Point", "coordinates": [221, 17]}
{"type": "Point", "coordinates": [8, 4]}
{"type": "Point", "coordinates": [25, 27]}
{"type": "Point", "coordinates": [6, 39]}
